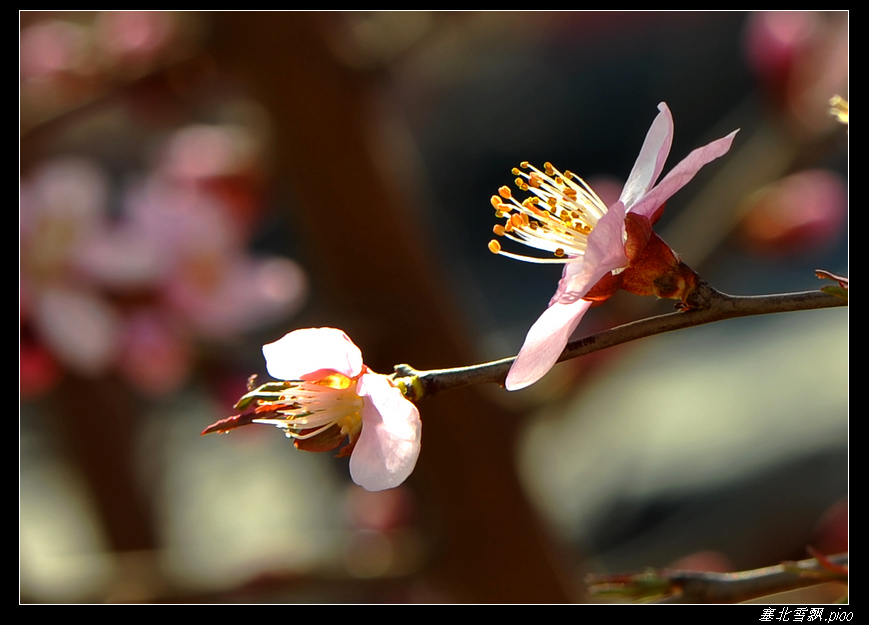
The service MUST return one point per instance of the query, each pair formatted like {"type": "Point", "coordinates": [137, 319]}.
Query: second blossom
{"type": "Point", "coordinates": [602, 247]}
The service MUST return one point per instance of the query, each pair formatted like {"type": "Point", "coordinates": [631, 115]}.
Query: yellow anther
{"type": "Point", "coordinates": [557, 213]}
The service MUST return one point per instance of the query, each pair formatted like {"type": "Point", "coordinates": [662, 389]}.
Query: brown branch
{"type": "Point", "coordinates": [717, 306]}
{"type": "Point", "coordinates": [704, 587]}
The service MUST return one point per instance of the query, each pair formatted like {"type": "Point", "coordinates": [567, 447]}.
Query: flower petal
{"type": "Point", "coordinates": [681, 175]}
{"type": "Point", "coordinates": [312, 353]}
{"type": "Point", "coordinates": [549, 335]}
{"type": "Point", "coordinates": [605, 251]}
{"type": "Point", "coordinates": [653, 154]}
{"type": "Point", "coordinates": [544, 343]}
{"type": "Point", "coordinates": [389, 444]}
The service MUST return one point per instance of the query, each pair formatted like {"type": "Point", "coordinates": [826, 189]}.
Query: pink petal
{"type": "Point", "coordinates": [544, 343]}
{"type": "Point", "coordinates": [388, 447]}
{"type": "Point", "coordinates": [681, 175]}
{"type": "Point", "coordinates": [312, 352]}
{"type": "Point", "coordinates": [653, 154]}
{"type": "Point", "coordinates": [548, 336]}
{"type": "Point", "coordinates": [605, 251]}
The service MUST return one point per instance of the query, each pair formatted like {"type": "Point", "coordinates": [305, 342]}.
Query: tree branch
{"type": "Point", "coordinates": [716, 306]}
{"type": "Point", "coordinates": [704, 587]}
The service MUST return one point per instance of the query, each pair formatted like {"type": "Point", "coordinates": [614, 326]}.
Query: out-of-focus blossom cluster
{"type": "Point", "coordinates": [69, 58]}
{"type": "Point", "coordinates": [800, 59]}
{"type": "Point", "coordinates": [132, 251]}
{"type": "Point", "coordinates": [125, 276]}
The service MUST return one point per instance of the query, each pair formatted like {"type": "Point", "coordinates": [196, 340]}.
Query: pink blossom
{"type": "Point", "coordinates": [566, 218]}
{"type": "Point", "coordinates": [329, 395]}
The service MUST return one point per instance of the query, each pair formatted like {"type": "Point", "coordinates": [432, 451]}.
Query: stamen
{"type": "Point", "coordinates": [305, 409]}
{"type": "Point", "coordinates": [572, 209]}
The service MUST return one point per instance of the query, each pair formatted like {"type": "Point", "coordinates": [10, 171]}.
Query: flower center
{"type": "Point", "coordinates": [307, 408]}
{"type": "Point", "coordinates": [557, 218]}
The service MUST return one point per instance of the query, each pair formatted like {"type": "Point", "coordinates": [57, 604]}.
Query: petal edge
{"type": "Point", "coordinates": [388, 447]}
{"type": "Point", "coordinates": [301, 353]}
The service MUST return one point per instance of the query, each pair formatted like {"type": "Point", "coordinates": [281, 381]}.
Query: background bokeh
{"type": "Point", "coordinates": [194, 185]}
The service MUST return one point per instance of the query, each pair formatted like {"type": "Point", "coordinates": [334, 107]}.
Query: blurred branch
{"type": "Point", "coordinates": [717, 307]}
{"type": "Point", "coordinates": [705, 587]}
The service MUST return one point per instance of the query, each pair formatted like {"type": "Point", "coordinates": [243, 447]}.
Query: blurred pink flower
{"type": "Point", "coordinates": [131, 40]}
{"type": "Point", "coordinates": [800, 59]}
{"type": "Point", "coordinates": [799, 214]}
{"type": "Point", "coordinates": [175, 255]}
{"type": "Point", "coordinates": [329, 395]}
{"type": "Point", "coordinates": [566, 218]}
{"type": "Point", "coordinates": [62, 212]}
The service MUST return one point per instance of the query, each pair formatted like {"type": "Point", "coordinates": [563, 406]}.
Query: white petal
{"type": "Point", "coordinates": [389, 444]}
{"type": "Point", "coordinates": [300, 354]}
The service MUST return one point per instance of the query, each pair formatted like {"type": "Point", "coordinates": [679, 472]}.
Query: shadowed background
{"type": "Point", "coordinates": [195, 185]}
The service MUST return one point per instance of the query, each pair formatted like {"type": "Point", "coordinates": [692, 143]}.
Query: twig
{"type": "Point", "coordinates": [717, 306]}
{"type": "Point", "coordinates": [702, 587]}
